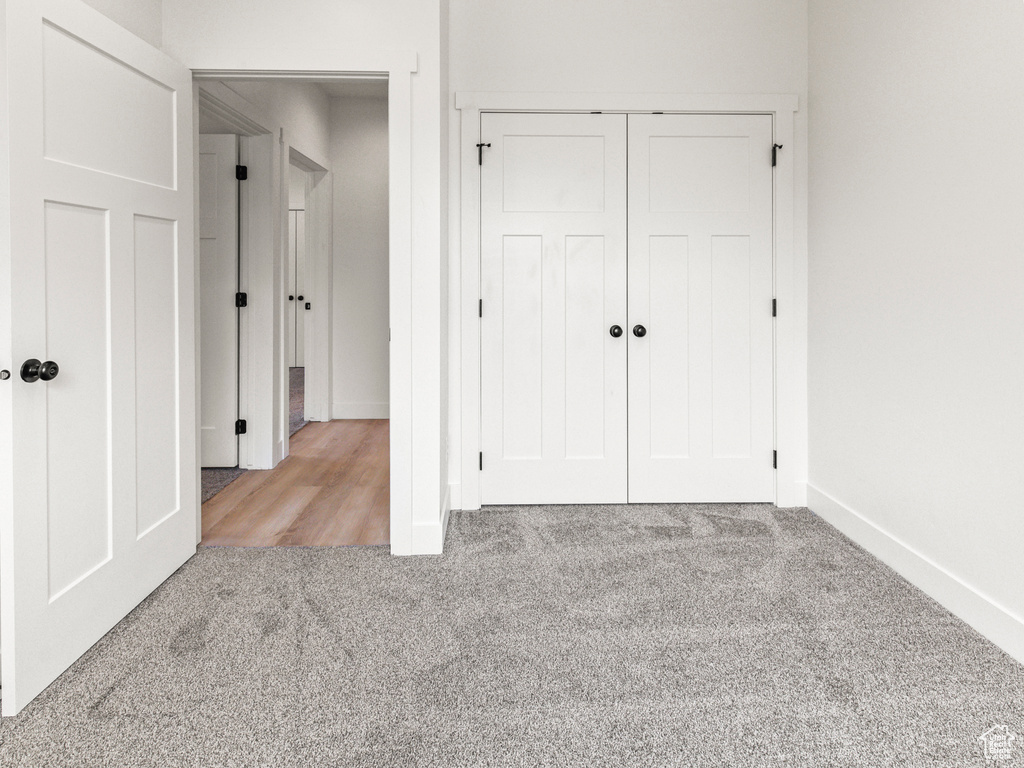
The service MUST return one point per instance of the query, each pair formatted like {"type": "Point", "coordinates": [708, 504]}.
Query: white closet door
{"type": "Point", "coordinates": [553, 267]}
{"type": "Point", "coordinates": [98, 463]}
{"type": "Point", "coordinates": [218, 283]}
{"type": "Point", "coordinates": [289, 353]}
{"type": "Point", "coordinates": [301, 297]}
{"type": "Point", "coordinates": [701, 420]}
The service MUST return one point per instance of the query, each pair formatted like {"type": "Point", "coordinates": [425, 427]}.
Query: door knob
{"type": "Point", "coordinates": [5, 375]}
{"type": "Point", "coordinates": [639, 331]}
{"type": "Point", "coordinates": [615, 331]}
{"type": "Point", "coordinates": [301, 298]}
{"type": "Point", "coordinates": [33, 370]}
{"type": "Point", "coordinates": [291, 298]}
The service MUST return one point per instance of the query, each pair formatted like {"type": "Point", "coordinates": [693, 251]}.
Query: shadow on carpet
{"type": "Point", "coordinates": [648, 635]}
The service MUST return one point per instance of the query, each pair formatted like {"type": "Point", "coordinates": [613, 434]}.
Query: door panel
{"type": "Point", "coordinates": [101, 503]}
{"type": "Point", "coordinates": [701, 422]}
{"type": "Point", "coordinates": [292, 306]}
{"type": "Point", "coordinates": [218, 283]}
{"type": "Point", "coordinates": [552, 284]}
{"type": "Point", "coordinates": [300, 288]}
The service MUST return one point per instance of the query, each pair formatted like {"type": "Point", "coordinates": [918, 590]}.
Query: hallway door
{"type": "Point", "coordinates": [97, 422]}
{"type": "Point", "coordinates": [218, 285]}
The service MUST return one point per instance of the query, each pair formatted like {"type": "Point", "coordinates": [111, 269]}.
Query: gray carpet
{"type": "Point", "coordinates": [558, 636]}
{"type": "Point", "coordinates": [216, 480]}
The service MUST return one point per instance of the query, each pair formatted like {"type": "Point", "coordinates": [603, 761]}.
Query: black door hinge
{"type": "Point", "coordinates": [241, 172]}
{"type": "Point", "coordinates": [481, 461]}
{"type": "Point", "coordinates": [775, 150]}
{"type": "Point", "coordinates": [240, 427]}
{"type": "Point", "coordinates": [241, 300]}
{"type": "Point", "coordinates": [480, 152]}
{"type": "Point", "coordinates": [481, 307]}
{"type": "Point", "coordinates": [775, 308]}
{"type": "Point", "coordinates": [775, 459]}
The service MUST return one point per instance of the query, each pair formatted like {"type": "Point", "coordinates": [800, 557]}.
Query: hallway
{"type": "Point", "coordinates": [333, 490]}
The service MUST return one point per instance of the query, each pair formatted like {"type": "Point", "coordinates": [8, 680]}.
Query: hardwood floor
{"type": "Point", "coordinates": [332, 490]}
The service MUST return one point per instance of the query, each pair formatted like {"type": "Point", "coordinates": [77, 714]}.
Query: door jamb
{"type": "Point", "coordinates": [790, 350]}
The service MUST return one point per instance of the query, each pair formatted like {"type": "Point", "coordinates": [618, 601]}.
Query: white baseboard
{"type": "Point", "coordinates": [428, 538]}
{"type": "Point", "coordinates": [360, 411]}
{"type": "Point", "coordinates": [992, 620]}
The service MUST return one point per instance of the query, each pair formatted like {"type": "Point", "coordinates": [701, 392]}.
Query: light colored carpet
{"type": "Point", "coordinates": [216, 480]}
{"type": "Point", "coordinates": [561, 636]}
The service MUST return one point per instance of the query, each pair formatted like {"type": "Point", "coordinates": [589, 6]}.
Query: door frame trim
{"type": "Point", "coordinates": [790, 284]}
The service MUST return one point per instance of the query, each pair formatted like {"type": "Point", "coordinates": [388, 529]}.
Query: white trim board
{"type": "Point", "coordinates": [790, 347]}
{"type": "Point", "coordinates": [990, 619]}
{"type": "Point", "coordinates": [359, 411]}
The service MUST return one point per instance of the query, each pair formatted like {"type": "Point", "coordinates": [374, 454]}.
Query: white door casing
{"type": "Point", "coordinates": [218, 284]}
{"type": "Point", "coordinates": [553, 379]}
{"type": "Point", "coordinates": [97, 242]}
{"type": "Point", "coordinates": [701, 413]}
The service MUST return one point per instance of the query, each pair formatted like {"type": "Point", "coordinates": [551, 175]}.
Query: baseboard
{"type": "Point", "coordinates": [990, 619]}
{"type": "Point", "coordinates": [428, 538]}
{"type": "Point", "coordinates": [360, 411]}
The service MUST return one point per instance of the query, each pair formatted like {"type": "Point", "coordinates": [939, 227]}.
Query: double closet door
{"type": "Point", "coordinates": [626, 316]}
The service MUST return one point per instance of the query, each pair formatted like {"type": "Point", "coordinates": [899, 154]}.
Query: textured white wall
{"type": "Point", "coordinates": [916, 342]}
{"type": "Point", "coordinates": [359, 158]}
{"type": "Point", "coordinates": [141, 17]}
{"type": "Point", "coordinates": [610, 46]}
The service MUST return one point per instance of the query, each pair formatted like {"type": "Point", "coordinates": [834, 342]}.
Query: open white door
{"type": "Point", "coordinates": [97, 273]}
{"type": "Point", "coordinates": [218, 286]}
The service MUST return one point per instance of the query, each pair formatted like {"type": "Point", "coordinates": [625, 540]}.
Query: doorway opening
{"type": "Point", "coordinates": [313, 446]}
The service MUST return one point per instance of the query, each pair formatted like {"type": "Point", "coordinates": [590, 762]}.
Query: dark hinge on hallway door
{"type": "Point", "coordinates": [775, 150]}
{"type": "Point", "coordinates": [480, 153]}
{"type": "Point", "coordinates": [240, 427]}
{"type": "Point", "coordinates": [241, 300]}
{"type": "Point", "coordinates": [775, 459]}
{"type": "Point", "coordinates": [241, 172]}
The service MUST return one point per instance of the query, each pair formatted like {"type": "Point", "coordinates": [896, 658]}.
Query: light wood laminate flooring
{"type": "Point", "coordinates": [332, 490]}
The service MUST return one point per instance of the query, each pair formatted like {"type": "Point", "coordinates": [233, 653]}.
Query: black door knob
{"type": "Point", "coordinates": [615, 331]}
{"type": "Point", "coordinates": [639, 331]}
{"type": "Point", "coordinates": [300, 298]}
{"type": "Point", "coordinates": [33, 370]}
{"type": "Point", "coordinates": [291, 298]}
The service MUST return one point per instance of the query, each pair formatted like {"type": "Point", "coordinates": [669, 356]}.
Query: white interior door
{"type": "Point", "coordinates": [301, 297]}
{"type": "Point", "coordinates": [553, 267]}
{"type": "Point", "coordinates": [292, 304]}
{"type": "Point", "coordinates": [98, 503]}
{"type": "Point", "coordinates": [218, 284]}
{"type": "Point", "coordinates": [701, 414]}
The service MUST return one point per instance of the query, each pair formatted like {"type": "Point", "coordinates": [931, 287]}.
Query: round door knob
{"type": "Point", "coordinates": [5, 375]}
{"type": "Point", "coordinates": [615, 331]}
{"type": "Point", "coordinates": [30, 370]}
{"type": "Point", "coordinates": [639, 331]}
{"type": "Point", "coordinates": [291, 298]}
{"type": "Point", "coordinates": [301, 298]}
{"type": "Point", "coordinates": [48, 371]}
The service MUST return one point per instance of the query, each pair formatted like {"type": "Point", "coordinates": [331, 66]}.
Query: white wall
{"type": "Point", "coordinates": [917, 293]}
{"type": "Point", "coordinates": [608, 46]}
{"type": "Point", "coordinates": [141, 17]}
{"type": "Point", "coordinates": [302, 109]}
{"type": "Point", "coordinates": [296, 188]}
{"type": "Point", "coordinates": [359, 159]}
{"type": "Point", "coordinates": [194, 30]}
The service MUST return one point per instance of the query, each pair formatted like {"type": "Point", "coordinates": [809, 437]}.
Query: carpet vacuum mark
{"type": "Point", "coordinates": [649, 635]}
